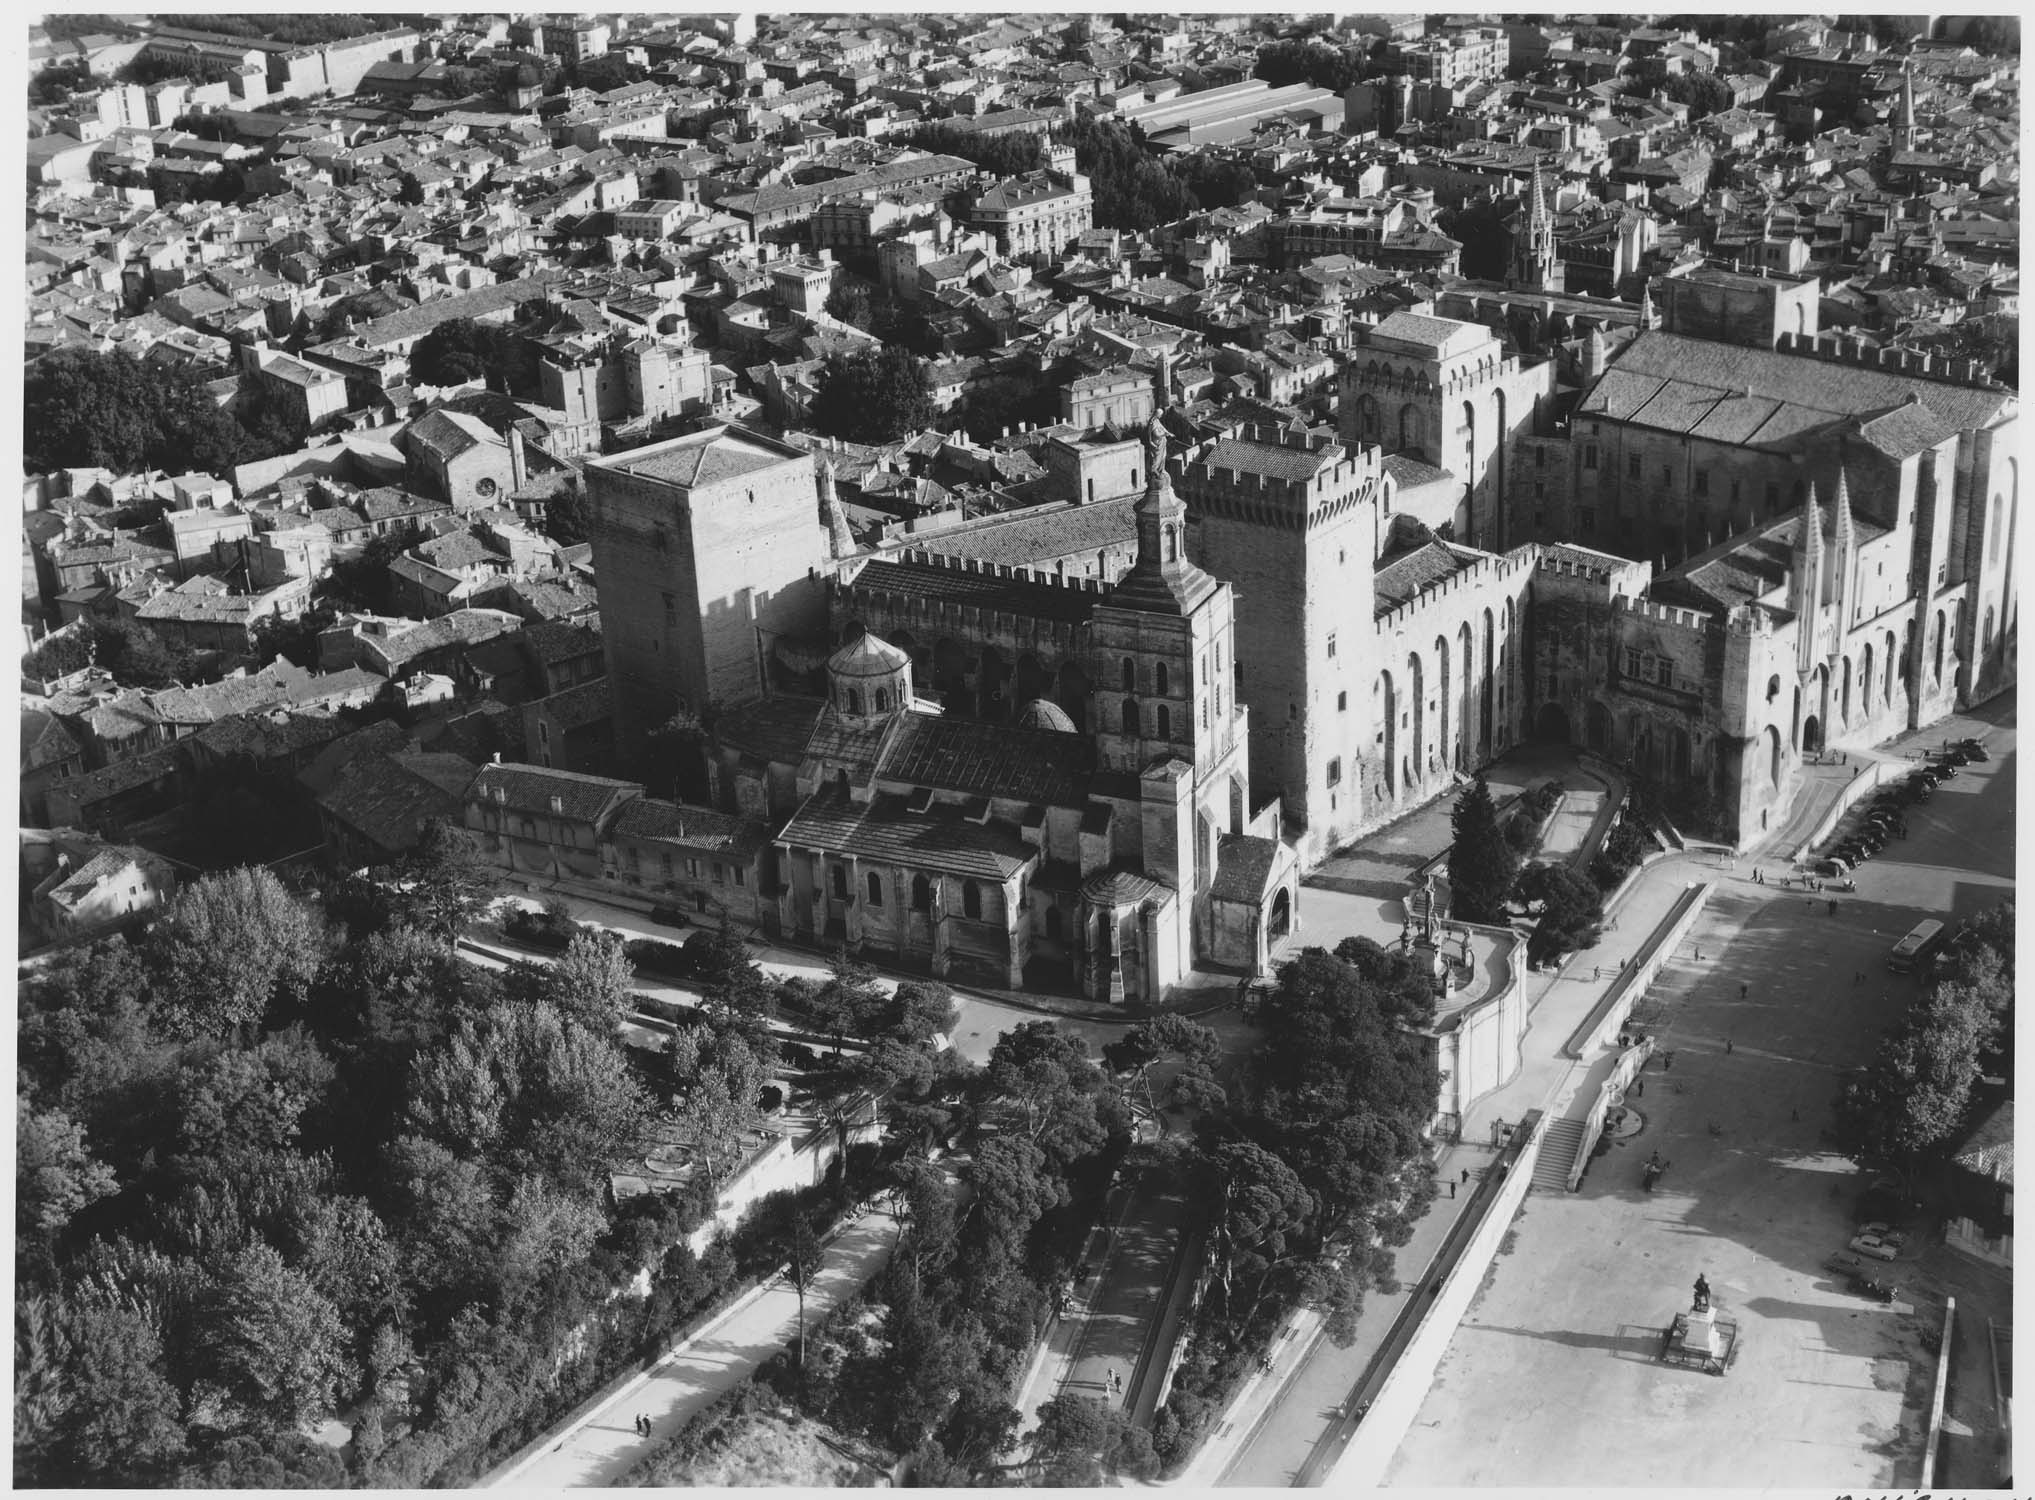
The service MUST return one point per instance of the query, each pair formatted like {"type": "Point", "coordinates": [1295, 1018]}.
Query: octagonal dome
{"type": "Point", "coordinates": [868, 656]}
{"type": "Point", "coordinates": [1044, 713]}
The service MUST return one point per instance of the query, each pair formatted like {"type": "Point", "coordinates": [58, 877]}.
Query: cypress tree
{"type": "Point", "coordinates": [1482, 865]}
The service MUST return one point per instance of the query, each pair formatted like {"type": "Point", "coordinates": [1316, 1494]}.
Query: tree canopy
{"type": "Point", "coordinates": [461, 349]}
{"type": "Point", "coordinates": [86, 409]}
{"type": "Point", "coordinates": [998, 155]}
{"type": "Point", "coordinates": [876, 396]}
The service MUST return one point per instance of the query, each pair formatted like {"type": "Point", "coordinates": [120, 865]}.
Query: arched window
{"type": "Point", "coordinates": [875, 884]}
{"type": "Point", "coordinates": [922, 893]}
{"type": "Point", "coordinates": [1773, 688]}
{"type": "Point", "coordinates": [1166, 715]}
{"type": "Point", "coordinates": [840, 881]}
{"type": "Point", "coordinates": [854, 700]}
{"type": "Point", "coordinates": [882, 700]}
{"type": "Point", "coordinates": [1130, 675]}
{"type": "Point", "coordinates": [1159, 679]}
{"type": "Point", "coordinates": [971, 900]}
{"type": "Point", "coordinates": [1130, 717]}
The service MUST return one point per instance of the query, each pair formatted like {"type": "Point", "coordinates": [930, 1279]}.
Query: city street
{"type": "Point", "coordinates": [1555, 1368]}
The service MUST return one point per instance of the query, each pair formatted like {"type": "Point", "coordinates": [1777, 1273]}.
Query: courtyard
{"type": "Point", "coordinates": [1553, 1377]}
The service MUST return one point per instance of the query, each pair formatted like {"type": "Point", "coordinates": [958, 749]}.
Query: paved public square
{"type": "Point", "coordinates": [1553, 1378]}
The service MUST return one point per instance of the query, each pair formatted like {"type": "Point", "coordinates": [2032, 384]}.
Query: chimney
{"type": "Point", "coordinates": [495, 762]}
{"type": "Point", "coordinates": [557, 803]}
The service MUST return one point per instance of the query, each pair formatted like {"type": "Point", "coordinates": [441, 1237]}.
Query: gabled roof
{"type": "Point", "coordinates": [885, 830]}
{"type": "Point", "coordinates": [530, 789]}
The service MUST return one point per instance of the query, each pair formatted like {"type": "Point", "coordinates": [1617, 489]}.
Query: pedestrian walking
{"type": "Point", "coordinates": [1466, 1174]}
{"type": "Point", "coordinates": [1596, 971]}
{"type": "Point", "coordinates": [1452, 1190]}
{"type": "Point", "coordinates": [1744, 991]}
{"type": "Point", "coordinates": [1639, 1088]}
{"type": "Point", "coordinates": [1727, 1044]}
{"type": "Point", "coordinates": [1699, 955]}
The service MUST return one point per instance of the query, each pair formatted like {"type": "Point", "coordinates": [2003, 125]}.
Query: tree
{"type": "Point", "coordinates": [86, 409]}
{"type": "Point", "coordinates": [801, 1270]}
{"type": "Point", "coordinates": [241, 1107]}
{"type": "Point", "coordinates": [460, 349]}
{"type": "Point", "coordinates": [1041, 1075]}
{"type": "Point", "coordinates": [55, 1173]}
{"type": "Point", "coordinates": [592, 981]}
{"type": "Point", "coordinates": [445, 882]}
{"type": "Point", "coordinates": [849, 301]}
{"type": "Point", "coordinates": [271, 1343]}
{"type": "Point", "coordinates": [1481, 864]}
{"type": "Point", "coordinates": [610, 70]}
{"type": "Point", "coordinates": [1571, 910]}
{"type": "Point", "coordinates": [1078, 1439]}
{"type": "Point", "coordinates": [1911, 1099]}
{"type": "Point", "coordinates": [92, 1405]}
{"type": "Point", "coordinates": [873, 396]}
{"type": "Point", "coordinates": [566, 514]}
{"type": "Point", "coordinates": [920, 1010]}
{"type": "Point", "coordinates": [1263, 1210]}
{"type": "Point", "coordinates": [1704, 93]}
{"type": "Point", "coordinates": [850, 1001]}
{"type": "Point", "coordinates": [997, 155]}
{"type": "Point", "coordinates": [232, 945]}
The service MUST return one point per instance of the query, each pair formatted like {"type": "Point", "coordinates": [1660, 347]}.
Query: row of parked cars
{"type": "Point", "coordinates": [1885, 817]}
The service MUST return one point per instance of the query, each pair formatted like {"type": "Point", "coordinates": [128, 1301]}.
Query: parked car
{"type": "Point", "coordinates": [1975, 749]}
{"type": "Point", "coordinates": [1944, 770]}
{"type": "Point", "coordinates": [1834, 865]}
{"type": "Point", "coordinates": [1873, 1245]}
{"type": "Point", "coordinates": [667, 916]}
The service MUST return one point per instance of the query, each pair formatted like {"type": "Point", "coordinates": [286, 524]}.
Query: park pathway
{"type": "Point", "coordinates": [600, 1443]}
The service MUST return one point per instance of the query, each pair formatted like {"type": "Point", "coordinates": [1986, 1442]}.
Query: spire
{"type": "Point", "coordinates": [1162, 579]}
{"type": "Point", "coordinates": [840, 540]}
{"type": "Point", "coordinates": [1647, 317]}
{"type": "Point", "coordinates": [1904, 122]}
{"type": "Point", "coordinates": [1844, 553]}
{"type": "Point", "coordinates": [1536, 201]}
{"type": "Point", "coordinates": [1808, 588]}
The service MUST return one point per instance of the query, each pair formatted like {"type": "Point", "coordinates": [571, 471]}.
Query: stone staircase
{"type": "Point", "coordinates": [1421, 900]}
{"type": "Point", "coordinates": [1558, 1142]}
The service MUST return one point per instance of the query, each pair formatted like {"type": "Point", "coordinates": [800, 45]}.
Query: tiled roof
{"type": "Point", "coordinates": [530, 789]}
{"type": "Point", "coordinates": [1408, 576]}
{"type": "Point", "coordinates": [1665, 380]}
{"type": "Point", "coordinates": [1040, 533]}
{"type": "Point", "coordinates": [562, 640]}
{"type": "Point", "coordinates": [957, 587]}
{"type": "Point", "coordinates": [389, 797]}
{"type": "Point", "coordinates": [1443, 335]}
{"type": "Point", "coordinates": [1905, 431]}
{"type": "Point", "coordinates": [688, 827]}
{"type": "Point", "coordinates": [1407, 473]}
{"type": "Point", "coordinates": [1274, 461]}
{"type": "Point", "coordinates": [777, 728]}
{"type": "Point", "coordinates": [962, 755]}
{"type": "Point", "coordinates": [1243, 867]}
{"type": "Point", "coordinates": [461, 626]}
{"type": "Point", "coordinates": [693, 463]}
{"type": "Point", "coordinates": [886, 831]}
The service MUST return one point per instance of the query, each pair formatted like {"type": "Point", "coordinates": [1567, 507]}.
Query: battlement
{"type": "Point", "coordinates": [1749, 619]}
{"type": "Point", "coordinates": [1015, 571]}
{"type": "Point", "coordinates": [1838, 349]}
{"type": "Point", "coordinates": [1665, 614]}
{"type": "Point", "coordinates": [1352, 478]}
{"type": "Point", "coordinates": [1575, 567]}
{"type": "Point", "coordinates": [1487, 568]}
